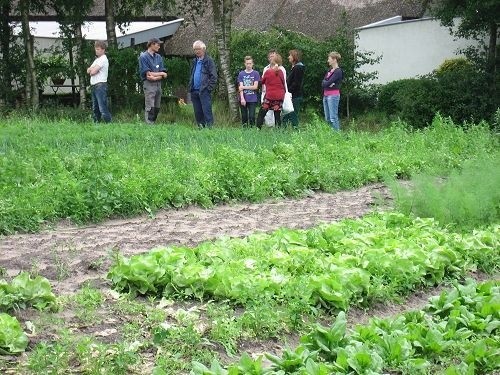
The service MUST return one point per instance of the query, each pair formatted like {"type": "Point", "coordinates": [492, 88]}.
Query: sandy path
{"type": "Point", "coordinates": [69, 255]}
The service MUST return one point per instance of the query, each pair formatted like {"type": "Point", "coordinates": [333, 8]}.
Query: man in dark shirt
{"type": "Point", "coordinates": [152, 71]}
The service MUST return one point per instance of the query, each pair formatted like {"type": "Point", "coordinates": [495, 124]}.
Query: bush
{"type": "Point", "coordinates": [464, 93]}
{"type": "Point", "coordinates": [179, 69]}
{"type": "Point", "coordinates": [457, 89]}
{"type": "Point", "coordinates": [123, 76]}
{"type": "Point", "coordinates": [410, 99]}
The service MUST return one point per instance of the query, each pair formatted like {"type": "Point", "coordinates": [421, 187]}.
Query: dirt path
{"type": "Point", "coordinates": [69, 256]}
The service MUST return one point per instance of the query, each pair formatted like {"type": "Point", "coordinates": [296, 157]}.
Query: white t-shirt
{"type": "Point", "coordinates": [102, 74]}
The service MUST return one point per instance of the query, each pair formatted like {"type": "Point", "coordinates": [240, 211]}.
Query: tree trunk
{"type": "Point", "coordinates": [492, 51]}
{"type": "Point", "coordinates": [110, 23]}
{"type": "Point", "coordinates": [32, 98]}
{"type": "Point", "coordinates": [5, 68]}
{"type": "Point", "coordinates": [222, 13]}
{"type": "Point", "coordinates": [80, 63]}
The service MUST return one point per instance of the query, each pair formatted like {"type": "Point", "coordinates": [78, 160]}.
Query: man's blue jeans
{"type": "Point", "coordinates": [331, 108]}
{"type": "Point", "coordinates": [100, 102]}
{"type": "Point", "coordinates": [202, 105]}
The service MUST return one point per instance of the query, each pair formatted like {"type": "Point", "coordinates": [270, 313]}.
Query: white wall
{"type": "Point", "coordinates": [408, 48]}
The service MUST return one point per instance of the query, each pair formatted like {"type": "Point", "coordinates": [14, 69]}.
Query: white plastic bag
{"type": "Point", "coordinates": [269, 119]}
{"type": "Point", "coordinates": [287, 103]}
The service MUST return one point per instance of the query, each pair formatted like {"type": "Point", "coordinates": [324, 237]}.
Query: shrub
{"type": "Point", "coordinates": [411, 99]}
{"type": "Point", "coordinates": [464, 93]}
{"type": "Point", "coordinates": [123, 76]}
{"type": "Point", "coordinates": [457, 89]}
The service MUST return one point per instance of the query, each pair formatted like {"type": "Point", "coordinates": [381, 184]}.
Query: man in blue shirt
{"type": "Point", "coordinates": [152, 71]}
{"type": "Point", "coordinates": [201, 84]}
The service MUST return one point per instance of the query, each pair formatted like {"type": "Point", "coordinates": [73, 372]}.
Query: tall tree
{"type": "Point", "coordinates": [222, 15]}
{"type": "Point", "coordinates": [71, 14]}
{"type": "Point", "coordinates": [109, 10]}
{"type": "Point", "coordinates": [344, 41]}
{"type": "Point", "coordinates": [31, 86]}
{"type": "Point", "coordinates": [121, 12]}
{"type": "Point", "coordinates": [5, 62]}
{"type": "Point", "coordinates": [475, 19]}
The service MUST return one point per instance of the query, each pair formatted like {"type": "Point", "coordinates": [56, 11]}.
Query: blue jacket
{"type": "Point", "coordinates": [208, 74]}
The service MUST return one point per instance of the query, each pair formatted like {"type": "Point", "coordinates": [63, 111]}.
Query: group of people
{"type": "Point", "coordinates": [274, 84]}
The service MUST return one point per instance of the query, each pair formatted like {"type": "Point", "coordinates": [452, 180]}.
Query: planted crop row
{"type": "Point", "coordinates": [349, 262]}
{"type": "Point", "coordinates": [456, 334]}
{"type": "Point", "coordinates": [63, 170]}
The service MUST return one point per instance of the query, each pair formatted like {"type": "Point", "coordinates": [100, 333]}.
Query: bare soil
{"type": "Point", "coordinates": [69, 255]}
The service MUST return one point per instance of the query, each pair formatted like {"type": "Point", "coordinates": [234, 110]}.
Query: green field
{"type": "Point", "coordinates": [266, 303]}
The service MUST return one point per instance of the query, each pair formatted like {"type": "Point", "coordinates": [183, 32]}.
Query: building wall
{"type": "Point", "coordinates": [408, 48]}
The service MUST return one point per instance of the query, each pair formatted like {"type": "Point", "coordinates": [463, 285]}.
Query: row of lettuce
{"type": "Point", "coordinates": [53, 171]}
{"type": "Point", "coordinates": [351, 262]}
{"type": "Point", "coordinates": [457, 333]}
{"type": "Point", "coordinates": [354, 262]}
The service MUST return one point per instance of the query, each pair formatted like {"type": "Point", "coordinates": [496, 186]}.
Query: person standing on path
{"type": "Point", "coordinates": [331, 90]}
{"type": "Point", "coordinates": [152, 71]}
{"type": "Point", "coordinates": [98, 72]}
{"type": "Point", "coordinates": [202, 82]}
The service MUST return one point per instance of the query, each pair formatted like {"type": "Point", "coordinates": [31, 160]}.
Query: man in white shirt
{"type": "Point", "coordinates": [98, 72]}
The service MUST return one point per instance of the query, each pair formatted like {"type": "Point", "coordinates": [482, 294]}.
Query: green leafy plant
{"type": "Point", "coordinates": [12, 338]}
{"type": "Point", "coordinates": [24, 291]}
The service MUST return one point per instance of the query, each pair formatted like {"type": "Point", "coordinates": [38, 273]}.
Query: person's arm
{"type": "Point", "coordinates": [212, 75]}
{"type": "Point", "coordinates": [332, 79]}
{"type": "Point", "coordinates": [93, 69]}
{"type": "Point", "coordinates": [156, 76]}
{"type": "Point", "coordinates": [242, 96]}
{"type": "Point", "coordinates": [144, 68]}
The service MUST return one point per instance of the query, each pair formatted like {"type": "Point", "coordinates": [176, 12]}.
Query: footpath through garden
{"type": "Point", "coordinates": [68, 255]}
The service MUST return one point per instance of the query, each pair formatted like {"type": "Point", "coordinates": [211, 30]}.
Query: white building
{"type": "Point", "coordinates": [47, 36]}
{"type": "Point", "coordinates": [408, 48]}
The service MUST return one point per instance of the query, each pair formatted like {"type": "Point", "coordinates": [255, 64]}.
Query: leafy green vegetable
{"type": "Point", "coordinates": [12, 338]}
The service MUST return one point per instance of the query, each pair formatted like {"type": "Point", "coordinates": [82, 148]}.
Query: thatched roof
{"type": "Point", "coordinates": [316, 18]}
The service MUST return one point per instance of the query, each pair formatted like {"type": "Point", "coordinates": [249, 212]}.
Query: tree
{"type": "Point", "coordinates": [31, 84]}
{"type": "Point", "coordinates": [121, 12]}
{"type": "Point", "coordinates": [477, 19]}
{"type": "Point", "coordinates": [109, 12]}
{"type": "Point", "coordinates": [6, 69]}
{"type": "Point", "coordinates": [71, 14]}
{"type": "Point", "coordinates": [352, 59]}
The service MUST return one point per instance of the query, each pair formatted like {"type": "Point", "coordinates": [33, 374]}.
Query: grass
{"type": "Point", "coordinates": [86, 173]}
{"type": "Point", "coordinates": [467, 198]}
